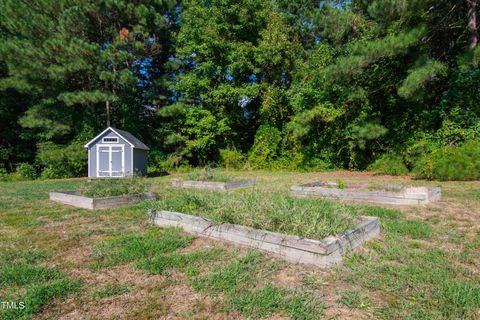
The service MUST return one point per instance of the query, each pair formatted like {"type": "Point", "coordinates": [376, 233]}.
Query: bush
{"type": "Point", "coordinates": [391, 164]}
{"type": "Point", "coordinates": [265, 148]}
{"type": "Point", "coordinates": [113, 187]}
{"type": "Point", "coordinates": [460, 162]}
{"type": "Point", "coordinates": [173, 163]}
{"type": "Point", "coordinates": [4, 175]}
{"type": "Point", "coordinates": [27, 171]}
{"type": "Point", "coordinates": [290, 161]}
{"type": "Point", "coordinates": [232, 159]}
{"type": "Point", "coordinates": [60, 161]}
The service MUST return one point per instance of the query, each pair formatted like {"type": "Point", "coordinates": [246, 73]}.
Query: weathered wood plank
{"type": "Point", "coordinates": [69, 198]}
{"type": "Point", "coordinates": [213, 185]}
{"type": "Point", "coordinates": [407, 196]}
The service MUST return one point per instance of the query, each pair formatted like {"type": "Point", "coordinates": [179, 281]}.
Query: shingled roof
{"type": "Point", "coordinates": [127, 136]}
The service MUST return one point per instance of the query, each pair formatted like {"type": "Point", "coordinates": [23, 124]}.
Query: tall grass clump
{"type": "Point", "coordinates": [114, 187]}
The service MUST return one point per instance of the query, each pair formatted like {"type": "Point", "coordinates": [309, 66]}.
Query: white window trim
{"type": "Point", "coordinates": [110, 160]}
{"type": "Point", "coordinates": [115, 141]}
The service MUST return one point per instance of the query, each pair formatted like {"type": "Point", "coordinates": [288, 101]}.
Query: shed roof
{"type": "Point", "coordinates": [127, 136]}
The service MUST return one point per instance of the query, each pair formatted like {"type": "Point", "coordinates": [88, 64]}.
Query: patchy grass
{"type": "Point", "coordinates": [109, 290]}
{"type": "Point", "coordinates": [22, 280]}
{"type": "Point", "coordinates": [238, 283]}
{"type": "Point", "coordinates": [66, 262]}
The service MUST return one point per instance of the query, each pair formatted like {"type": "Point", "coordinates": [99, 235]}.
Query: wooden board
{"type": "Point", "coordinates": [213, 185]}
{"type": "Point", "coordinates": [407, 196]}
{"type": "Point", "coordinates": [70, 198]}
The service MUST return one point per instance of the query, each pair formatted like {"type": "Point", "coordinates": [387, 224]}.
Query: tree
{"type": "Point", "coordinates": [472, 23]}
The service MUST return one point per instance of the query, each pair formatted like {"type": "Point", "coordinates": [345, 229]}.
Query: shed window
{"type": "Point", "coordinates": [110, 140]}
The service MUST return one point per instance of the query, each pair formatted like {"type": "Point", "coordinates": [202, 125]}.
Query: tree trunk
{"type": "Point", "coordinates": [472, 23]}
{"type": "Point", "coordinates": [107, 106]}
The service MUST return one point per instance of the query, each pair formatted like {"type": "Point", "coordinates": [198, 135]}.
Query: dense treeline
{"type": "Point", "coordinates": [391, 85]}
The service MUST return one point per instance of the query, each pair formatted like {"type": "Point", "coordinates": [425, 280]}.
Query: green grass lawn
{"type": "Point", "coordinates": [70, 262]}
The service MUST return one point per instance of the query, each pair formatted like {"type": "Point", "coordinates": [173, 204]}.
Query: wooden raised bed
{"type": "Point", "coordinates": [361, 192]}
{"type": "Point", "coordinates": [71, 198]}
{"type": "Point", "coordinates": [213, 185]}
{"type": "Point", "coordinates": [322, 253]}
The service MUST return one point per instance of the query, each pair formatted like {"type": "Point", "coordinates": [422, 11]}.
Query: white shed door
{"type": "Point", "coordinates": [110, 160]}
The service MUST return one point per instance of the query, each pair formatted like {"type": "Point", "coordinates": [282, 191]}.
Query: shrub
{"type": "Point", "coordinates": [265, 148]}
{"type": "Point", "coordinates": [60, 161]}
{"type": "Point", "coordinates": [290, 161]}
{"type": "Point", "coordinates": [316, 164]}
{"type": "Point", "coordinates": [27, 171]}
{"type": "Point", "coordinates": [460, 162]}
{"type": "Point", "coordinates": [391, 164]}
{"type": "Point", "coordinates": [113, 187]}
{"type": "Point", "coordinates": [4, 175]}
{"type": "Point", "coordinates": [232, 159]}
{"type": "Point", "coordinates": [173, 163]}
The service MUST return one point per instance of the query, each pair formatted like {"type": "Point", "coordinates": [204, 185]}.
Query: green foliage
{"type": "Point", "coordinates": [293, 85]}
{"type": "Point", "coordinates": [460, 162]}
{"type": "Point", "coordinates": [3, 174]}
{"type": "Point", "coordinates": [59, 161]}
{"type": "Point", "coordinates": [101, 188]}
{"type": "Point", "coordinates": [266, 147]}
{"type": "Point", "coordinates": [389, 163]}
{"type": "Point", "coordinates": [417, 78]}
{"type": "Point", "coordinates": [232, 158]}
{"type": "Point", "coordinates": [27, 171]}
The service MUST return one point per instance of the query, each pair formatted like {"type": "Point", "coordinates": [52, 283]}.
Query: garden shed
{"type": "Point", "coordinates": [116, 153]}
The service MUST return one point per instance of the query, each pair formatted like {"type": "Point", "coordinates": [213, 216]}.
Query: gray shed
{"type": "Point", "coordinates": [116, 153]}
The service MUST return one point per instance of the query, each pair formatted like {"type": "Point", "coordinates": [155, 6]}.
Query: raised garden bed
{"type": "Point", "coordinates": [213, 185]}
{"type": "Point", "coordinates": [322, 253]}
{"type": "Point", "coordinates": [72, 198]}
{"type": "Point", "coordinates": [382, 194]}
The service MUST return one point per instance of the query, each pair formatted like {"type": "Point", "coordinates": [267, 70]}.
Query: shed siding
{"type": "Point", "coordinates": [93, 154]}
{"type": "Point", "coordinates": [140, 161]}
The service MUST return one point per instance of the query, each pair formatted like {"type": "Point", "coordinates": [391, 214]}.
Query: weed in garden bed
{"type": "Point", "coordinates": [113, 187]}
{"type": "Point", "coordinates": [272, 211]}
{"type": "Point", "coordinates": [207, 176]}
